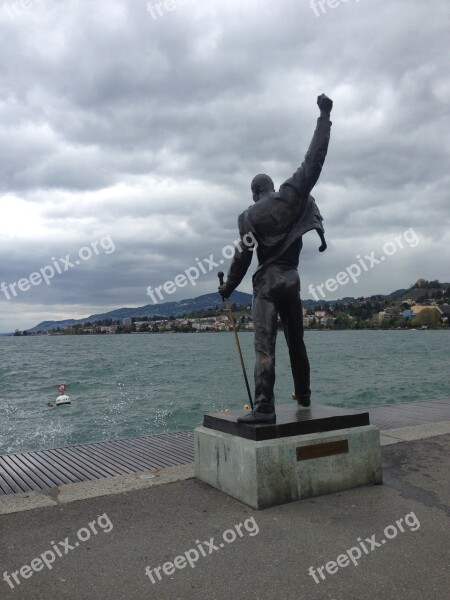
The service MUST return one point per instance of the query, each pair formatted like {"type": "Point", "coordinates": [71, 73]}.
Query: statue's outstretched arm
{"type": "Point", "coordinates": [306, 176]}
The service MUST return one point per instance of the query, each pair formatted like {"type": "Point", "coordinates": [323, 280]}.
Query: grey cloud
{"type": "Point", "coordinates": [151, 130]}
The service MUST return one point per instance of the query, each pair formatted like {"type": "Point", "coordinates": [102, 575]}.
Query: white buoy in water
{"type": "Point", "coordinates": [63, 398]}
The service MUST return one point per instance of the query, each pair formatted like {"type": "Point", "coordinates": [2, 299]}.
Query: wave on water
{"type": "Point", "coordinates": [131, 385]}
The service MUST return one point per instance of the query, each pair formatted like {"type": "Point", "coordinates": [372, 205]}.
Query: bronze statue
{"type": "Point", "coordinates": [277, 222]}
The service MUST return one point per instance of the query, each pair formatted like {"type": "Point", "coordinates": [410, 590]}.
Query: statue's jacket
{"type": "Point", "coordinates": [280, 219]}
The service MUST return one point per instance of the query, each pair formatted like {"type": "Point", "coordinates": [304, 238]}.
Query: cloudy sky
{"type": "Point", "coordinates": [140, 128]}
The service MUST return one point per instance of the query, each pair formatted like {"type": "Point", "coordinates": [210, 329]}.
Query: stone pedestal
{"type": "Point", "coordinates": [306, 453]}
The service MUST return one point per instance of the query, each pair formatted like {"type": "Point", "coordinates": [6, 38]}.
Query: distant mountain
{"type": "Point", "coordinates": [165, 309]}
{"type": "Point", "coordinates": [397, 294]}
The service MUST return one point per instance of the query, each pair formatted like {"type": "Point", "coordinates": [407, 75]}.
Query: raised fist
{"type": "Point", "coordinates": [324, 103]}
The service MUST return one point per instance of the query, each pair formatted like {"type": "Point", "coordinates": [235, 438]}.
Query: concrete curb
{"type": "Point", "coordinates": [73, 492]}
{"type": "Point", "coordinates": [416, 432]}
{"type": "Point", "coordinates": [13, 503]}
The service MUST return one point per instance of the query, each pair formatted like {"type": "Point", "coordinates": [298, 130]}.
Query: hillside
{"type": "Point", "coordinates": [165, 309]}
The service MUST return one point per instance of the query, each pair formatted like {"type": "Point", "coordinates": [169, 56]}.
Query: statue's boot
{"type": "Point", "coordinates": [304, 401]}
{"type": "Point", "coordinates": [258, 417]}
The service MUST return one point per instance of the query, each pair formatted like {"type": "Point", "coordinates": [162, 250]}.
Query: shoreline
{"type": "Point", "coordinates": [335, 329]}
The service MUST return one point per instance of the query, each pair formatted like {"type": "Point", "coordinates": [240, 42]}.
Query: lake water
{"type": "Point", "coordinates": [129, 385]}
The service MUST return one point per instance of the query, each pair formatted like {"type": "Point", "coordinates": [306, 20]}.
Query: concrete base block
{"type": "Point", "coordinates": [270, 472]}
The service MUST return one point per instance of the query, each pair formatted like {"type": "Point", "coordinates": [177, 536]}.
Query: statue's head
{"type": "Point", "coordinates": [261, 185]}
